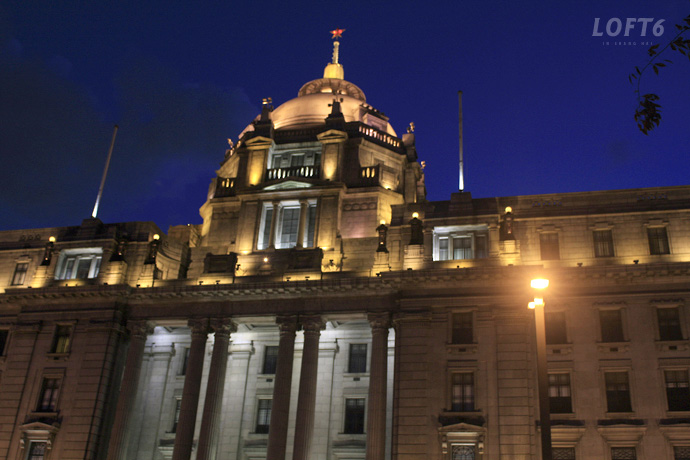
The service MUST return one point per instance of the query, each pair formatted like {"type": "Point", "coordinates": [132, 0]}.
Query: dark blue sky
{"type": "Point", "coordinates": [547, 106]}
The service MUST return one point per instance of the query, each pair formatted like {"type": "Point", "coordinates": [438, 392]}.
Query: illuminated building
{"type": "Point", "coordinates": [326, 310]}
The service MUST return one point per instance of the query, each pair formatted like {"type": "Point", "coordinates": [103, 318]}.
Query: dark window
{"type": "Point", "coordinates": [611, 326]}
{"type": "Point", "coordinates": [20, 273]}
{"type": "Point", "coordinates": [4, 334]}
{"type": "Point", "coordinates": [358, 358]}
{"type": "Point", "coordinates": [185, 360]}
{"type": "Point", "coordinates": [623, 453]}
{"type": "Point", "coordinates": [268, 218]}
{"type": "Point", "coordinates": [563, 453]}
{"type": "Point", "coordinates": [677, 390]}
{"type": "Point", "coordinates": [462, 248]}
{"type": "Point", "coordinates": [263, 416]}
{"type": "Point", "coordinates": [463, 452]}
{"type": "Point", "coordinates": [37, 451]}
{"type": "Point", "coordinates": [669, 324]}
{"type": "Point", "coordinates": [62, 338]}
{"type": "Point", "coordinates": [354, 416]}
{"type": "Point", "coordinates": [549, 246]}
{"type": "Point", "coordinates": [681, 453]}
{"type": "Point", "coordinates": [555, 328]}
{"type": "Point", "coordinates": [270, 359]}
{"type": "Point", "coordinates": [176, 417]}
{"type": "Point", "coordinates": [462, 388]}
{"type": "Point", "coordinates": [559, 394]}
{"type": "Point", "coordinates": [50, 390]}
{"type": "Point", "coordinates": [462, 328]}
{"type": "Point", "coordinates": [603, 243]}
{"type": "Point", "coordinates": [658, 241]}
{"type": "Point", "coordinates": [617, 392]}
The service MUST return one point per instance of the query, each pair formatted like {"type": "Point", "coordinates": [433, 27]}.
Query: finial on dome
{"type": "Point", "coordinates": [335, 69]}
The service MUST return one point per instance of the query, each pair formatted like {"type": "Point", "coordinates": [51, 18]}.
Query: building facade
{"type": "Point", "coordinates": [326, 310]}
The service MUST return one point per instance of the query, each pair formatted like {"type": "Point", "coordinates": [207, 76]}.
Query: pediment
{"type": "Point", "coordinates": [462, 428]}
{"type": "Point", "coordinates": [289, 184]}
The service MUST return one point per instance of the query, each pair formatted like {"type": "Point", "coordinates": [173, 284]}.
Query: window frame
{"type": "Point", "coordinates": [448, 234]}
{"type": "Point", "coordinates": [66, 271]}
{"type": "Point", "coordinates": [603, 248]}
{"type": "Point", "coordinates": [361, 414]}
{"type": "Point", "coordinates": [548, 250]}
{"type": "Point", "coordinates": [456, 334]}
{"type": "Point", "coordinates": [613, 448]}
{"type": "Point", "coordinates": [263, 236]}
{"type": "Point", "coordinates": [685, 397]}
{"type": "Point", "coordinates": [176, 408]}
{"type": "Point", "coordinates": [5, 344]}
{"type": "Point", "coordinates": [551, 332]}
{"type": "Point", "coordinates": [604, 336]}
{"type": "Point", "coordinates": [30, 456]}
{"type": "Point", "coordinates": [263, 414]}
{"type": "Point", "coordinates": [58, 348]}
{"type": "Point", "coordinates": [559, 386]}
{"type": "Point", "coordinates": [22, 273]}
{"type": "Point", "coordinates": [270, 360]}
{"type": "Point", "coordinates": [608, 400]}
{"type": "Point", "coordinates": [361, 365]}
{"type": "Point", "coordinates": [665, 337]}
{"type": "Point", "coordinates": [466, 403]}
{"type": "Point", "coordinates": [58, 377]}
{"type": "Point", "coordinates": [659, 244]}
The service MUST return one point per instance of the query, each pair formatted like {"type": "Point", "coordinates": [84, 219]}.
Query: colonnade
{"type": "Point", "coordinates": [222, 328]}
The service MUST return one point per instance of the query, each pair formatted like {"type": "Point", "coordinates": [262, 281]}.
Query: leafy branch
{"type": "Point", "coordinates": [648, 111]}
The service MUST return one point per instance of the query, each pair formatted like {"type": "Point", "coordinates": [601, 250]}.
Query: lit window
{"type": "Point", "coordinates": [176, 416]}
{"type": "Point", "coordinates": [61, 339]}
{"type": "Point", "coordinates": [623, 453]}
{"type": "Point", "coordinates": [462, 328]}
{"type": "Point", "coordinates": [263, 416]}
{"type": "Point", "coordinates": [681, 453]}
{"type": "Point", "coordinates": [270, 360]}
{"type": "Point", "coordinates": [555, 328]}
{"type": "Point", "coordinates": [79, 264]}
{"type": "Point", "coordinates": [617, 392]}
{"type": "Point", "coordinates": [461, 242]}
{"type": "Point", "coordinates": [677, 390]}
{"type": "Point", "coordinates": [603, 243]}
{"type": "Point", "coordinates": [548, 243]}
{"type": "Point", "coordinates": [4, 334]}
{"type": "Point", "coordinates": [669, 324]}
{"type": "Point", "coordinates": [354, 416]}
{"type": "Point", "coordinates": [37, 450]}
{"type": "Point", "coordinates": [357, 363]}
{"type": "Point", "coordinates": [462, 392]}
{"type": "Point", "coordinates": [611, 326]}
{"type": "Point", "coordinates": [560, 399]}
{"type": "Point", "coordinates": [50, 390]}
{"type": "Point", "coordinates": [20, 273]}
{"type": "Point", "coordinates": [658, 240]}
{"type": "Point", "coordinates": [287, 225]}
{"type": "Point", "coordinates": [563, 453]}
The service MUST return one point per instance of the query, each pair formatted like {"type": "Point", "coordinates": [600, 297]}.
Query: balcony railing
{"type": "Point", "coordinates": [292, 171]}
{"type": "Point", "coordinates": [369, 176]}
{"type": "Point", "coordinates": [225, 186]}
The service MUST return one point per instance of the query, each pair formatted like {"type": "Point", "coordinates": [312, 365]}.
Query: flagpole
{"type": "Point", "coordinates": [105, 173]}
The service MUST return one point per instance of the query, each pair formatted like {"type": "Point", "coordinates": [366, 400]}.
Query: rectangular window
{"type": "Point", "coordinates": [354, 416]}
{"type": "Point", "coordinates": [555, 328]}
{"type": "Point", "coordinates": [563, 453]}
{"type": "Point", "coordinates": [462, 242]}
{"type": "Point", "coordinates": [176, 416]}
{"type": "Point", "coordinates": [623, 453]}
{"type": "Point", "coordinates": [658, 241]}
{"type": "Point", "coordinates": [20, 273]}
{"type": "Point", "coordinates": [357, 363]}
{"type": "Point", "coordinates": [681, 453]}
{"type": "Point", "coordinates": [617, 392]}
{"type": "Point", "coordinates": [263, 416]}
{"type": "Point", "coordinates": [287, 217]}
{"type": "Point", "coordinates": [462, 248]}
{"type": "Point", "coordinates": [4, 335]}
{"type": "Point", "coordinates": [266, 233]}
{"type": "Point", "coordinates": [677, 390]}
{"type": "Point", "coordinates": [462, 328]}
{"type": "Point", "coordinates": [603, 243]}
{"type": "Point", "coordinates": [443, 249]}
{"type": "Point", "coordinates": [288, 227]}
{"type": "Point", "coordinates": [79, 264]}
{"type": "Point", "coordinates": [61, 339]}
{"type": "Point", "coordinates": [560, 399]}
{"type": "Point", "coordinates": [548, 242]}
{"type": "Point", "coordinates": [50, 390]}
{"type": "Point", "coordinates": [611, 325]}
{"type": "Point", "coordinates": [37, 450]}
{"type": "Point", "coordinates": [270, 360]}
{"type": "Point", "coordinates": [462, 392]}
{"type": "Point", "coordinates": [669, 324]}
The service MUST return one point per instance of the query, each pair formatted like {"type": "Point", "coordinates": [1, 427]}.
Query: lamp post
{"type": "Point", "coordinates": [542, 376]}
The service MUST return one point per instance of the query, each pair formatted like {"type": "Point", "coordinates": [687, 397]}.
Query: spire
{"type": "Point", "coordinates": [335, 69]}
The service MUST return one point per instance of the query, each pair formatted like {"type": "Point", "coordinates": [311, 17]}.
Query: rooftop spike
{"type": "Point", "coordinates": [335, 69]}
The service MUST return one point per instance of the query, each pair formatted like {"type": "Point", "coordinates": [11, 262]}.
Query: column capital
{"type": "Point", "coordinates": [198, 326]}
{"type": "Point", "coordinates": [303, 202]}
{"type": "Point", "coordinates": [312, 323]}
{"type": "Point", "coordinates": [224, 326]}
{"type": "Point", "coordinates": [140, 328]}
{"type": "Point", "coordinates": [287, 324]}
{"type": "Point", "coordinates": [379, 321]}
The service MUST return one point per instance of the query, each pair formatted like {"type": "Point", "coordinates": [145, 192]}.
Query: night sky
{"type": "Point", "coordinates": [547, 106]}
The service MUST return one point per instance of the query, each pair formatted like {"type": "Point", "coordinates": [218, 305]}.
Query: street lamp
{"type": "Point", "coordinates": [539, 284]}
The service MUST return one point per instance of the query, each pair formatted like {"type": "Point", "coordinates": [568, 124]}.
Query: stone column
{"type": "Point", "coordinates": [184, 437]}
{"type": "Point", "coordinates": [117, 447]}
{"type": "Point", "coordinates": [378, 375]}
{"type": "Point", "coordinates": [274, 225]}
{"type": "Point", "coordinates": [306, 402]}
{"type": "Point", "coordinates": [210, 421]}
{"type": "Point", "coordinates": [280, 408]}
{"type": "Point", "coordinates": [303, 208]}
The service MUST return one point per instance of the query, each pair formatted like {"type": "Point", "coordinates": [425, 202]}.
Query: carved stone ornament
{"type": "Point", "coordinates": [199, 326]}
{"type": "Point", "coordinates": [224, 326]}
{"type": "Point", "coordinates": [312, 323]}
{"type": "Point", "coordinates": [287, 324]}
{"type": "Point", "coordinates": [379, 321]}
{"type": "Point", "coordinates": [140, 328]}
